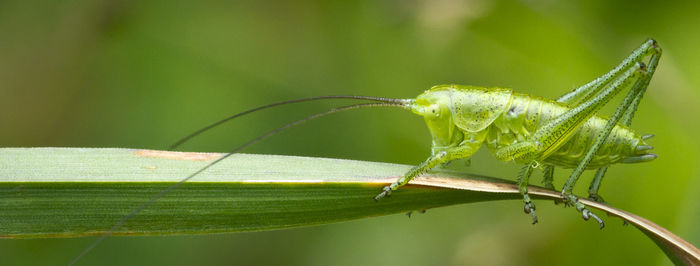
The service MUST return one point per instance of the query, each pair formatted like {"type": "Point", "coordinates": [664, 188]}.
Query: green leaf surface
{"type": "Point", "coordinates": [71, 192]}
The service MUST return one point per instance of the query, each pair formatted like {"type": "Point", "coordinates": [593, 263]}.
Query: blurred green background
{"type": "Point", "coordinates": [141, 74]}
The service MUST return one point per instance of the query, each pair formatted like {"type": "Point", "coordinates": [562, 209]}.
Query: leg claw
{"type": "Point", "coordinates": [386, 192]}
{"type": "Point", "coordinates": [530, 208]}
{"type": "Point", "coordinates": [559, 201]}
{"type": "Point", "coordinates": [571, 200]}
{"type": "Point", "coordinates": [411, 213]}
{"type": "Point", "coordinates": [586, 214]}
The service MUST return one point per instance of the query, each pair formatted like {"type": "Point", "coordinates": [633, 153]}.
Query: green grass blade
{"type": "Point", "coordinates": [71, 192]}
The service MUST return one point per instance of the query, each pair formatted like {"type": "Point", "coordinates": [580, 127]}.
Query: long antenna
{"type": "Point", "coordinates": [394, 103]}
{"type": "Point", "coordinates": [202, 130]}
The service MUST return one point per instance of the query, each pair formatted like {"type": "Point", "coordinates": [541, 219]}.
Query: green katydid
{"type": "Point", "coordinates": [529, 130]}
{"type": "Point", "coordinates": [533, 131]}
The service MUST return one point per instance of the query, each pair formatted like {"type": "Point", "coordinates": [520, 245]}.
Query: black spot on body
{"type": "Point", "coordinates": [512, 110]}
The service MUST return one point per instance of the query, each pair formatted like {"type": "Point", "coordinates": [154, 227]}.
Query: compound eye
{"type": "Point", "coordinates": [434, 110]}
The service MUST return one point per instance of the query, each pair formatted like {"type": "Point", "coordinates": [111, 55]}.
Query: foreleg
{"type": "Point", "coordinates": [464, 150]}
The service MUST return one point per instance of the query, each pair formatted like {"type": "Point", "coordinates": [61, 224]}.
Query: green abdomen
{"type": "Point", "coordinates": [525, 114]}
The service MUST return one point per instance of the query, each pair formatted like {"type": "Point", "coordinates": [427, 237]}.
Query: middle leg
{"type": "Point", "coordinates": [548, 179]}
{"type": "Point", "coordinates": [523, 180]}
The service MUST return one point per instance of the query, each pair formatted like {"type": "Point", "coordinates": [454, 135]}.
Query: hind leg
{"type": "Point", "coordinates": [626, 110]}
{"type": "Point", "coordinates": [627, 121]}
{"type": "Point", "coordinates": [585, 92]}
{"type": "Point", "coordinates": [549, 137]}
{"type": "Point", "coordinates": [581, 94]}
{"type": "Point", "coordinates": [595, 185]}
